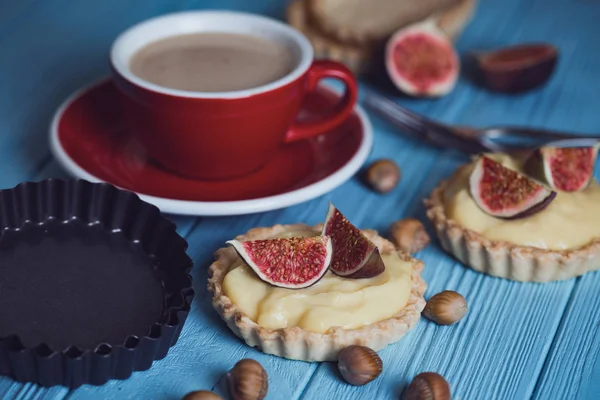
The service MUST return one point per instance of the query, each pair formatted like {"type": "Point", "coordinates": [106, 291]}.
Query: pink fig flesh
{"type": "Point", "coordinates": [292, 263]}
{"type": "Point", "coordinates": [354, 255]}
{"type": "Point", "coordinates": [504, 193]}
{"type": "Point", "coordinates": [421, 61]}
{"type": "Point", "coordinates": [569, 169]}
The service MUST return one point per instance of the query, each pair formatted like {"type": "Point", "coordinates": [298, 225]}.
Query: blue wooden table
{"type": "Point", "coordinates": [519, 340]}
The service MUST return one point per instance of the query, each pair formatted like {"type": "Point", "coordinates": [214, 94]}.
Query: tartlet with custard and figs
{"type": "Point", "coordinates": [525, 217]}
{"type": "Point", "coordinates": [306, 293]}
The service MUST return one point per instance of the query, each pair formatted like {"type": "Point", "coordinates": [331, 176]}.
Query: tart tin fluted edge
{"type": "Point", "coordinates": [57, 202]}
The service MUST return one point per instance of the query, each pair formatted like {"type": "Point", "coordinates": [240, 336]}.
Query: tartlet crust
{"type": "Point", "coordinates": [359, 57]}
{"type": "Point", "coordinates": [504, 259]}
{"type": "Point", "coordinates": [375, 23]}
{"type": "Point", "coordinates": [297, 343]}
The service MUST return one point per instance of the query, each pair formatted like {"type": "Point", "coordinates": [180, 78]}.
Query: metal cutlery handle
{"type": "Point", "coordinates": [418, 127]}
{"type": "Point", "coordinates": [470, 140]}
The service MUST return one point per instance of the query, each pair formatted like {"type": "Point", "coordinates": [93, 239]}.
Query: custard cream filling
{"type": "Point", "coordinates": [572, 220]}
{"type": "Point", "coordinates": [333, 301]}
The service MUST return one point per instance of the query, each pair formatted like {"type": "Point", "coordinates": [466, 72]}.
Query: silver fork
{"type": "Point", "coordinates": [471, 140]}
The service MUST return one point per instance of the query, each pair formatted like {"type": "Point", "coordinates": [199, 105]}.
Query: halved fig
{"type": "Point", "coordinates": [504, 193]}
{"type": "Point", "coordinates": [421, 60]}
{"type": "Point", "coordinates": [568, 169]}
{"type": "Point", "coordinates": [517, 68]}
{"type": "Point", "coordinates": [354, 255]}
{"type": "Point", "coordinates": [292, 263]}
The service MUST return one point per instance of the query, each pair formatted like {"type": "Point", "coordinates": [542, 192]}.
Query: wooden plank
{"type": "Point", "coordinates": [15, 167]}
{"type": "Point", "coordinates": [12, 390]}
{"type": "Point", "coordinates": [56, 48]}
{"type": "Point", "coordinates": [572, 368]}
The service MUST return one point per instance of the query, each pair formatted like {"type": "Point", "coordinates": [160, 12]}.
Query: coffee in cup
{"type": "Point", "coordinates": [215, 94]}
{"type": "Point", "coordinates": [212, 62]}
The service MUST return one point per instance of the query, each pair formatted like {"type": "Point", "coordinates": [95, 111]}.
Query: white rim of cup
{"type": "Point", "coordinates": [189, 22]}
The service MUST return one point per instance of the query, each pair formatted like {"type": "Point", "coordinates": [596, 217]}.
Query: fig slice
{"type": "Point", "coordinates": [569, 169]}
{"type": "Point", "coordinates": [292, 263]}
{"type": "Point", "coordinates": [421, 60]}
{"type": "Point", "coordinates": [504, 193]}
{"type": "Point", "coordinates": [517, 68]}
{"type": "Point", "coordinates": [354, 255]}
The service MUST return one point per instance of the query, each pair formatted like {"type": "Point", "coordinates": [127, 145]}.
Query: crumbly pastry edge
{"type": "Point", "coordinates": [359, 57]}
{"type": "Point", "coordinates": [504, 259]}
{"type": "Point", "coordinates": [458, 12]}
{"type": "Point", "coordinates": [296, 343]}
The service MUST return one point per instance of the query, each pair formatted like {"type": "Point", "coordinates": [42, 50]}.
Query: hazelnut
{"type": "Point", "coordinates": [247, 380]}
{"type": "Point", "coordinates": [409, 235]}
{"type": "Point", "coordinates": [359, 365]}
{"type": "Point", "coordinates": [446, 308]}
{"type": "Point", "coordinates": [428, 386]}
{"type": "Point", "coordinates": [383, 175]}
{"type": "Point", "coordinates": [202, 395]}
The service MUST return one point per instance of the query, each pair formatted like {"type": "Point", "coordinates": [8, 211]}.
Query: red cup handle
{"type": "Point", "coordinates": [337, 114]}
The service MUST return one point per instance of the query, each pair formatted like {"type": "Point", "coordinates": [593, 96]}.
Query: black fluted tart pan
{"type": "Point", "coordinates": [94, 283]}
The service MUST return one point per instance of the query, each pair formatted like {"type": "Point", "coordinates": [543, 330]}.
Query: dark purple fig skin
{"type": "Point", "coordinates": [533, 210]}
{"type": "Point", "coordinates": [534, 166]}
{"type": "Point", "coordinates": [517, 69]}
{"type": "Point", "coordinates": [373, 267]}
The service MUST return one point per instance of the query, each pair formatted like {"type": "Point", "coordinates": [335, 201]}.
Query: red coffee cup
{"type": "Point", "coordinates": [225, 134]}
